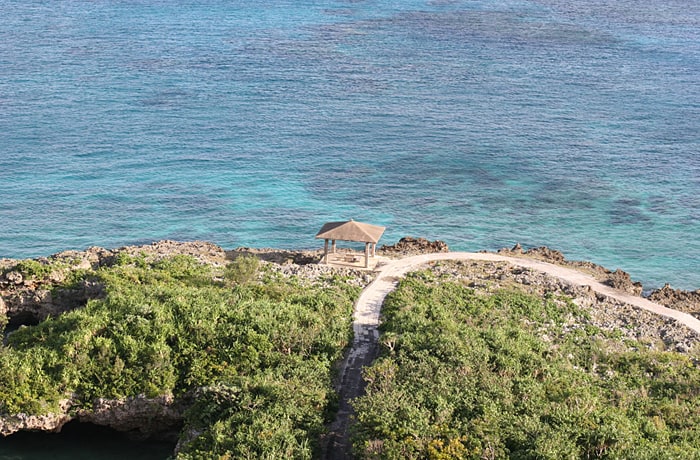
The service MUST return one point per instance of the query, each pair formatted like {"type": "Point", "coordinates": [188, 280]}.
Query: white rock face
{"type": "Point", "coordinates": [23, 422]}
{"type": "Point", "coordinates": [146, 416]}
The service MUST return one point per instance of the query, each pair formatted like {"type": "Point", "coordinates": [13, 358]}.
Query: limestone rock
{"type": "Point", "coordinates": [687, 301]}
{"type": "Point", "coordinates": [310, 273]}
{"type": "Point", "coordinates": [30, 303]}
{"type": "Point", "coordinates": [540, 253]}
{"type": "Point", "coordinates": [621, 280]}
{"type": "Point", "coordinates": [23, 422]}
{"type": "Point", "coordinates": [203, 251]}
{"type": "Point", "coordinates": [278, 256]}
{"type": "Point", "coordinates": [15, 278]}
{"type": "Point", "coordinates": [617, 279]}
{"type": "Point", "coordinates": [147, 416]}
{"type": "Point", "coordinates": [93, 257]}
{"type": "Point", "coordinates": [409, 245]}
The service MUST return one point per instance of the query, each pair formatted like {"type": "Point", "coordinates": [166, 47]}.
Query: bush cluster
{"type": "Point", "coordinates": [255, 358]}
{"type": "Point", "coordinates": [33, 269]}
{"type": "Point", "coordinates": [465, 375]}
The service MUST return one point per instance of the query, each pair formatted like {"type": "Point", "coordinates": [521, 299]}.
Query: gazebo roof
{"type": "Point", "coordinates": [351, 231]}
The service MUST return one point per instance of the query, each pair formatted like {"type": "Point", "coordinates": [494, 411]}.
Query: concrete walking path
{"type": "Point", "coordinates": [365, 346]}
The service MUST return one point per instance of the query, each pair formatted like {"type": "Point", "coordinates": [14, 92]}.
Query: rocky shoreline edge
{"type": "Point", "coordinates": [28, 295]}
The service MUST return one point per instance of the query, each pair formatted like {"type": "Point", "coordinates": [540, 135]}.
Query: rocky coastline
{"type": "Point", "coordinates": [29, 294]}
{"type": "Point", "coordinates": [142, 417]}
{"type": "Point", "coordinates": [28, 298]}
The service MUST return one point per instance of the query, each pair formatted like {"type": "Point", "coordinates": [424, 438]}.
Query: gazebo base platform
{"type": "Point", "coordinates": [351, 260]}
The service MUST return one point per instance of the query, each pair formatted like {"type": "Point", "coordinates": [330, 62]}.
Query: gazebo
{"type": "Point", "coordinates": [351, 231]}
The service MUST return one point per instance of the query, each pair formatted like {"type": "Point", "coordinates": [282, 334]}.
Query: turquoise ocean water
{"type": "Point", "coordinates": [573, 124]}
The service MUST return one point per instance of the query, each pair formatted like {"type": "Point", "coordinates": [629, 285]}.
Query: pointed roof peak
{"type": "Point", "coordinates": [351, 231]}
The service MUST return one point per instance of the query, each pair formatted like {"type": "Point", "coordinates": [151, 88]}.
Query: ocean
{"type": "Point", "coordinates": [572, 124]}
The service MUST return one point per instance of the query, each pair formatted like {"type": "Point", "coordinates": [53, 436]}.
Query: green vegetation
{"type": "Point", "coordinates": [462, 374]}
{"type": "Point", "coordinates": [509, 375]}
{"type": "Point", "coordinates": [254, 352]}
{"type": "Point", "coordinates": [242, 270]}
{"type": "Point", "coordinates": [33, 269]}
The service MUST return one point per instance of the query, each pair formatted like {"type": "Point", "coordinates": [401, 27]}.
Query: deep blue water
{"type": "Point", "coordinates": [572, 124]}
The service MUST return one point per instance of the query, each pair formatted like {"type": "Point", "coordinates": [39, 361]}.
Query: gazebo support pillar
{"type": "Point", "coordinates": [349, 231]}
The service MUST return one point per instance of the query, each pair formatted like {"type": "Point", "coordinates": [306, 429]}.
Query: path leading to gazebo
{"type": "Point", "coordinates": [365, 345]}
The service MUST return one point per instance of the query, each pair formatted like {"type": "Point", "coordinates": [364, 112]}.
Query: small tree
{"type": "Point", "coordinates": [242, 270]}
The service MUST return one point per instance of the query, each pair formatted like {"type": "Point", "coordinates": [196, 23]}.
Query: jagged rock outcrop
{"type": "Point", "coordinates": [687, 301]}
{"type": "Point", "coordinates": [618, 279]}
{"type": "Point", "coordinates": [278, 256]}
{"type": "Point", "coordinates": [30, 306]}
{"type": "Point", "coordinates": [140, 416]}
{"type": "Point", "coordinates": [29, 299]}
{"type": "Point", "coordinates": [409, 245]}
{"type": "Point", "coordinates": [148, 417]}
{"type": "Point", "coordinates": [621, 280]}
{"type": "Point", "coordinates": [540, 253]}
{"type": "Point", "coordinates": [93, 257]}
{"type": "Point", "coordinates": [51, 423]}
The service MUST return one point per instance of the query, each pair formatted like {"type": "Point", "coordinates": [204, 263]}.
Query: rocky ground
{"type": "Point", "coordinates": [278, 256]}
{"type": "Point", "coordinates": [617, 279]}
{"type": "Point", "coordinates": [410, 246]}
{"type": "Point", "coordinates": [29, 293]}
{"type": "Point", "coordinates": [686, 301]}
{"type": "Point", "coordinates": [608, 314]}
{"type": "Point", "coordinates": [27, 298]}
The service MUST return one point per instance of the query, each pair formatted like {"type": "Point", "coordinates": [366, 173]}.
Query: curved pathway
{"type": "Point", "coordinates": [365, 344]}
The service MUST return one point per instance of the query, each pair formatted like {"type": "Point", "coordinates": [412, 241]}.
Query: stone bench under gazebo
{"type": "Point", "coordinates": [350, 231]}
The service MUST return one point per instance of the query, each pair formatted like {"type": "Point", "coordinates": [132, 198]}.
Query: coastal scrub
{"type": "Point", "coordinates": [505, 374]}
{"type": "Point", "coordinates": [249, 352]}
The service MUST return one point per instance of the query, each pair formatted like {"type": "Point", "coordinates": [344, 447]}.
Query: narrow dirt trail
{"type": "Point", "coordinates": [365, 346]}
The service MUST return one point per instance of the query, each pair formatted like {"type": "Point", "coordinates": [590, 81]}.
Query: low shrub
{"type": "Point", "coordinates": [258, 364]}
{"type": "Point", "coordinates": [242, 270]}
{"type": "Point", "coordinates": [33, 269]}
{"type": "Point", "coordinates": [510, 375]}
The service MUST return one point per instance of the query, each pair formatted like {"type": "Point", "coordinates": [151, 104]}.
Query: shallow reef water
{"type": "Point", "coordinates": [567, 124]}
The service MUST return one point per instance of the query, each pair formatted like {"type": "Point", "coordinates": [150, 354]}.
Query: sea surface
{"type": "Point", "coordinates": [568, 123]}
